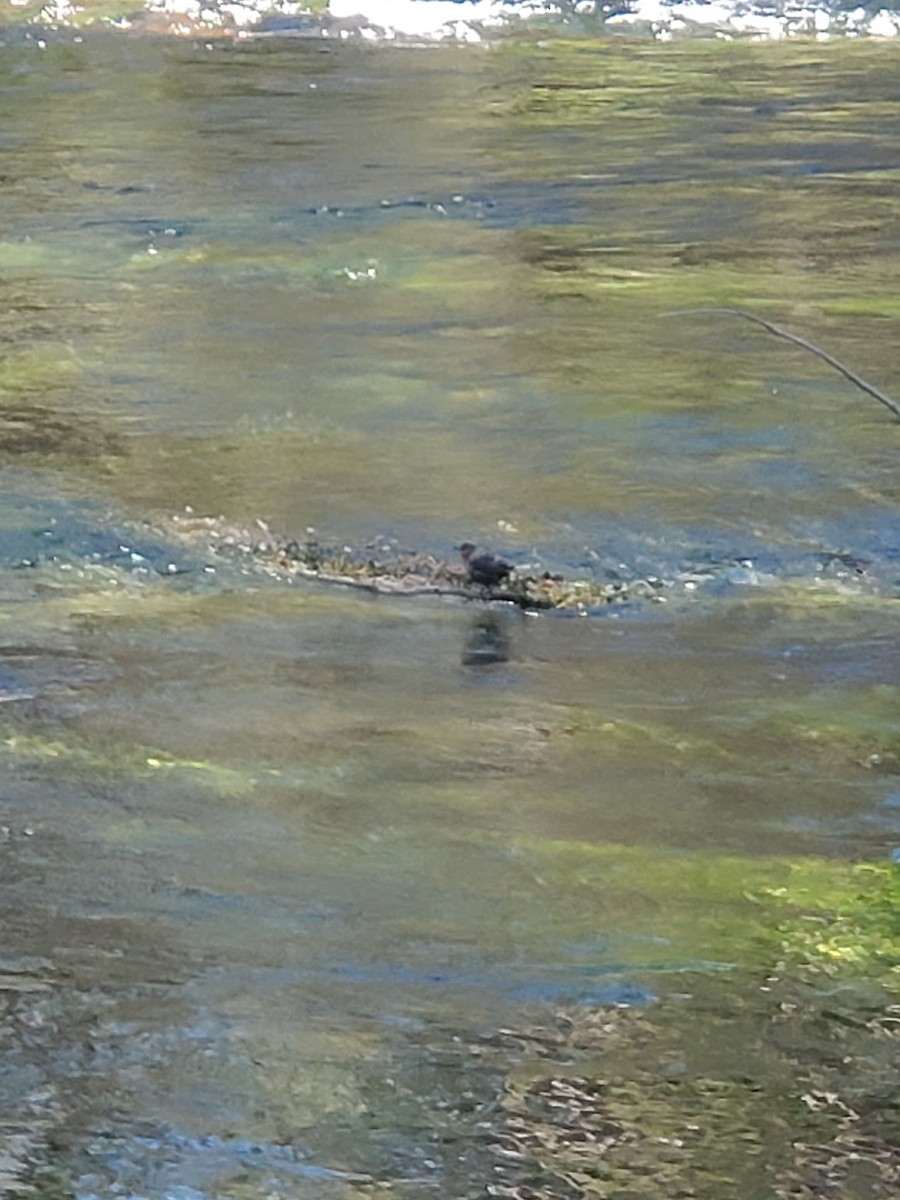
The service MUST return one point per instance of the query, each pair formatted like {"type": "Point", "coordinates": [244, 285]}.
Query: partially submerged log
{"type": "Point", "coordinates": [380, 570]}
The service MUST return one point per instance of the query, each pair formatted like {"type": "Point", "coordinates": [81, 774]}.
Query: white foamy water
{"type": "Point", "coordinates": [474, 21]}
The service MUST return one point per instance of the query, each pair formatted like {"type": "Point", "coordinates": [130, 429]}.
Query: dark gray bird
{"type": "Point", "coordinates": [483, 566]}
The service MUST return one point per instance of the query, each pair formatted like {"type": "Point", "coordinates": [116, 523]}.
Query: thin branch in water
{"type": "Point", "coordinates": [388, 586]}
{"type": "Point", "coordinates": [855, 379]}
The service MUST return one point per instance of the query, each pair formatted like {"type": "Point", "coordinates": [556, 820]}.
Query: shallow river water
{"type": "Point", "coordinates": [297, 901]}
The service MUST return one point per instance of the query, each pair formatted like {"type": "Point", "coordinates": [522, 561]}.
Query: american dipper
{"type": "Point", "coordinates": [483, 566]}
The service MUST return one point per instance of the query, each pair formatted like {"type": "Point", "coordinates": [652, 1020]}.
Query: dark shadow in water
{"type": "Point", "coordinates": [31, 429]}
{"type": "Point", "coordinates": [487, 641]}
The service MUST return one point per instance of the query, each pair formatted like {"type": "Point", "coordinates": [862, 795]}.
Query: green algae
{"type": "Point", "coordinates": [812, 917]}
{"type": "Point", "coordinates": [855, 725]}
{"type": "Point", "coordinates": [248, 265]}
{"type": "Point", "coordinates": [32, 749]}
{"type": "Point", "coordinates": [610, 735]}
{"type": "Point", "coordinates": [842, 921]}
{"type": "Point", "coordinates": [37, 367]}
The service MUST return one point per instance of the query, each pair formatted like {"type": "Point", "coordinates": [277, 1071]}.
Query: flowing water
{"type": "Point", "coordinates": [299, 901]}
